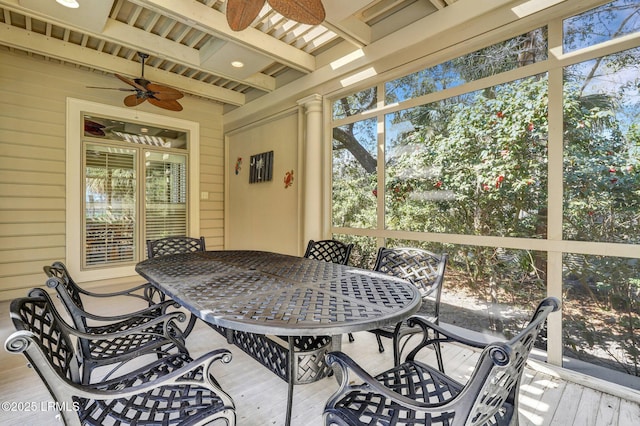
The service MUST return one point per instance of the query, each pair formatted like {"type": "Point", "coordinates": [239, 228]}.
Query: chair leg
{"type": "Point", "coordinates": [397, 349]}
{"type": "Point", "coordinates": [351, 339]}
{"type": "Point", "coordinates": [189, 328]}
{"type": "Point", "coordinates": [380, 346]}
{"type": "Point", "coordinates": [439, 356]}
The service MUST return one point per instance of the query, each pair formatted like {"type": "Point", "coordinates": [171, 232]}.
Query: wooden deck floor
{"type": "Point", "coordinates": [545, 397]}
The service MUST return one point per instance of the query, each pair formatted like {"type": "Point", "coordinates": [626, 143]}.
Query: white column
{"type": "Point", "coordinates": [311, 173]}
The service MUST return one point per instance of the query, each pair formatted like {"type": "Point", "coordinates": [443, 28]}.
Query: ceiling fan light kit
{"type": "Point", "coordinates": [241, 13]}
{"type": "Point", "coordinates": [72, 4]}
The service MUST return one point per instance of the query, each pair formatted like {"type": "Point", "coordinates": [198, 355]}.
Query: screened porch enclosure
{"type": "Point", "coordinates": [521, 160]}
{"type": "Point", "coordinates": [503, 133]}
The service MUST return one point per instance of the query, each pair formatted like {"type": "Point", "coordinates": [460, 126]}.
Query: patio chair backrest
{"type": "Point", "coordinates": [174, 245]}
{"type": "Point", "coordinates": [43, 337]}
{"type": "Point", "coordinates": [68, 292]}
{"type": "Point", "coordinates": [496, 378]}
{"type": "Point", "coordinates": [422, 268]}
{"type": "Point", "coordinates": [59, 270]}
{"type": "Point", "coordinates": [329, 251]}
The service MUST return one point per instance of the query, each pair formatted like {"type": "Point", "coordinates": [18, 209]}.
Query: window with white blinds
{"type": "Point", "coordinates": [165, 195]}
{"type": "Point", "coordinates": [135, 189]}
{"type": "Point", "coordinates": [110, 204]}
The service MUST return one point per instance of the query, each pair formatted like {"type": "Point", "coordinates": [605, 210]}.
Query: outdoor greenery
{"type": "Point", "coordinates": [477, 164]}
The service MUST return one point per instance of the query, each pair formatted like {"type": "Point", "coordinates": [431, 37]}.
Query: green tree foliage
{"type": "Point", "coordinates": [484, 172]}
{"type": "Point", "coordinates": [487, 165]}
{"type": "Point", "coordinates": [476, 164]}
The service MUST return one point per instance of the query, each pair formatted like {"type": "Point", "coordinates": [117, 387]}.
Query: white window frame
{"type": "Point", "coordinates": [553, 245]}
{"type": "Point", "coordinates": [76, 108]}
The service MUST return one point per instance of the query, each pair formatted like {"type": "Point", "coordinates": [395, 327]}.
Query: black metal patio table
{"type": "Point", "coordinates": [249, 295]}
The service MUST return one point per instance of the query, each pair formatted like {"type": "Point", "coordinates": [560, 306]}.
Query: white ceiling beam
{"type": "Point", "coordinates": [204, 18]}
{"type": "Point", "coordinates": [342, 18]}
{"type": "Point", "coordinates": [352, 30]}
{"type": "Point", "coordinates": [439, 4]}
{"type": "Point", "coordinates": [380, 8]}
{"type": "Point", "coordinates": [54, 48]}
{"type": "Point", "coordinates": [133, 38]}
{"type": "Point", "coordinates": [137, 39]}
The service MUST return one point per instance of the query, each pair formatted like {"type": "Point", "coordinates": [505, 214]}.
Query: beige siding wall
{"type": "Point", "coordinates": [265, 215]}
{"type": "Point", "coordinates": [212, 178]}
{"type": "Point", "coordinates": [33, 95]}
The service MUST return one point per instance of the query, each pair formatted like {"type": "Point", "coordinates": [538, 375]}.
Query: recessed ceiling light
{"type": "Point", "coordinates": [237, 64]}
{"type": "Point", "coordinates": [73, 4]}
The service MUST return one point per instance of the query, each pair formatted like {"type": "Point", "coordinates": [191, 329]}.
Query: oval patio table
{"type": "Point", "coordinates": [248, 295]}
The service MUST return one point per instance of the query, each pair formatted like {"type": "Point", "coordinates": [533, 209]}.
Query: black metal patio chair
{"type": "Point", "coordinates": [333, 251]}
{"type": "Point", "coordinates": [174, 245]}
{"type": "Point", "coordinates": [414, 393]}
{"type": "Point", "coordinates": [423, 269]}
{"type": "Point", "coordinates": [172, 390]}
{"type": "Point", "coordinates": [112, 342]}
{"type": "Point", "coordinates": [329, 251]}
{"type": "Point", "coordinates": [73, 298]}
{"type": "Point", "coordinates": [177, 245]}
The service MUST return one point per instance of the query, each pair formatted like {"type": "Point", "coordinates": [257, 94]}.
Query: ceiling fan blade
{"type": "Point", "coordinates": [170, 104]}
{"type": "Point", "coordinates": [131, 83]}
{"type": "Point", "coordinates": [133, 100]}
{"type": "Point", "coordinates": [241, 13]}
{"type": "Point", "coordinates": [164, 93]}
{"type": "Point", "coordinates": [93, 128]}
{"type": "Point", "coordinates": [304, 11]}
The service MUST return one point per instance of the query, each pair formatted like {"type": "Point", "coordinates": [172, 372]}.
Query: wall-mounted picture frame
{"type": "Point", "coordinates": [261, 167]}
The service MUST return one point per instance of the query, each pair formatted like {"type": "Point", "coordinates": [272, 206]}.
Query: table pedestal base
{"type": "Point", "coordinates": [295, 359]}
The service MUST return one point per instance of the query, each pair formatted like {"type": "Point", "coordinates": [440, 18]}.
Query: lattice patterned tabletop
{"type": "Point", "coordinates": [271, 293]}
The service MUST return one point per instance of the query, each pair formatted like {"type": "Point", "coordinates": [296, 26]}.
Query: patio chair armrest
{"type": "Point", "coordinates": [56, 283]}
{"type": "Point", "coordinates": [165, 320]}
{"type": "Point", "coordinates": [442, 335]}
{"type": "Point", "coordinates": [24, 341]}
{"type": "Point", "coordinates": [154, 311]}
{"type": "Point", "coordinates": [148, 293]}
{"type": "Point", "coordinates": [350, 368]}
{"type": "Point", "coordinates": [175, 377]}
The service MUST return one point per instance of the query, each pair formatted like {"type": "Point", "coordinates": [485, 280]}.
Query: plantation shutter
{"type": "Point", "coordinates": [165, 195]}
{"type": "Point", "coordinates": [110, 205]}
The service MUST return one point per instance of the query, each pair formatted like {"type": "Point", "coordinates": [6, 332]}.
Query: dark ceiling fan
{"type": "Point", "coordinates": [158, 95]}
{"type": "Point", "coordinates": [241, 13]}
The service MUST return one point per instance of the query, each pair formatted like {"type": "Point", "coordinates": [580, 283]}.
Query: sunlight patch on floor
{"type": "Point", "coordinates": [532, 418]}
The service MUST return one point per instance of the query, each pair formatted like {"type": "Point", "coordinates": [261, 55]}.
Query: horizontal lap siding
{"type": "Point", "coordinates": [212, 182]}
{"type": "Point", "coordinates": [32, 172]}
{"type": "Point", "coordinates": [32, 163]}
{"type": "Point", "coordinates": [211, 175]}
